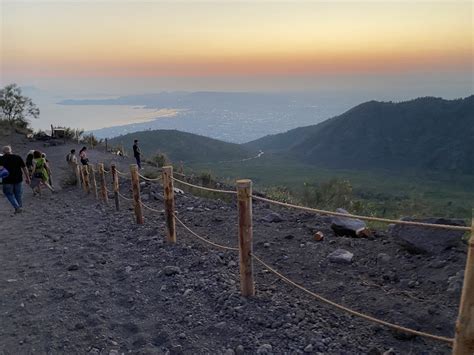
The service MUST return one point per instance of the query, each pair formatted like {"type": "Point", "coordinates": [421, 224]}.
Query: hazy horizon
{"type": "Point", "coordinates": [354, 51]}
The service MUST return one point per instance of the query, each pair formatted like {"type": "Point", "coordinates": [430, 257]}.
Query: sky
{"type": "Point", "coordinates": [118, 47]}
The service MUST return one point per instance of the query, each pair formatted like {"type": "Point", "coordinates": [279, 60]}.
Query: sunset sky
{"type": "Point", "coordinates": [56, 41]}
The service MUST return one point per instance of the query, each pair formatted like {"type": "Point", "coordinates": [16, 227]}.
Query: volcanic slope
{"type": "Point", "coordinates": [79, 277]}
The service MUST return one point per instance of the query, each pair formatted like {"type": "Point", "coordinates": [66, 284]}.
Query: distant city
{"type": "Point", "coordinates": [232, 117]}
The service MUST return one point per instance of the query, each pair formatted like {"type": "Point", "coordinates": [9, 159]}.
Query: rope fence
{"type": "Point", "coordinates": [364, 218]}
{"type": "Point", "coordinates": [229, 192]}
{"type": "Point", "coordinates": [223, 247]}
{"type": "Point", "coordinates": [462, 344]}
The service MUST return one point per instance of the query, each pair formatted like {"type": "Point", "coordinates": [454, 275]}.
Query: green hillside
{"type": "Point", "coordinates": [182, 146]}
{"type": "Point", "coordinates": [421, 134]}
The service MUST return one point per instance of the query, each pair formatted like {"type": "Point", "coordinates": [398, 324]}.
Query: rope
{"type": "Point", "coordinates": [152, 209]}
{"type": "Point", "coordinates": [125, 198]}
{"type": "Point", "coordinates": [148, 179]}
{"type": "Point", "coordinates": [123, 174]}
{"type": "Point", "coordinates": [204, 239]}
{"type": "Point", "coordinates": [351, 311]}
{"type": "Point", "coordinates": [106, 171]}
{"type": "Point", "coordinates": [365, 218]}
{"type": "Point", "coordinates": [205, 188]}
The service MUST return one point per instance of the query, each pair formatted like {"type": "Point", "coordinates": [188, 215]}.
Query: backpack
{"type": "Point", "coordinates": [4, 173]}
{"type": "Point", "coordinates": [69, 158]}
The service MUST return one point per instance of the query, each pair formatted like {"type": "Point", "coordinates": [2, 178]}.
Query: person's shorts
{"type": "Point", "coordinates": [35, 182]}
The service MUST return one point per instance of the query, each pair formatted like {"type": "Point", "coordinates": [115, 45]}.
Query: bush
{"type": "Point", "coordinates": [331, 194]}
{"type": "Point", "coordinates": [159, 160]}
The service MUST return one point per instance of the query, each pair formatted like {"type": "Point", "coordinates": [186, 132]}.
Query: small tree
{"type": "Point", "coordinates": [15, 108]}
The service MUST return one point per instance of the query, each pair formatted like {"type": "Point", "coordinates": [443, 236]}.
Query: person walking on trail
{"type": "Point", "coordinates": [41, 174]}
{"type": "Point", "coordinates": [12, 184]}
{"type": "Point", "coordinates": [83, 156]}
{"type": "Point", "coordinates": [71, 158]}
{"type": "Point", "coordinates": [137, 153]}
{"type": "Point", "coordinates": [29, 162]}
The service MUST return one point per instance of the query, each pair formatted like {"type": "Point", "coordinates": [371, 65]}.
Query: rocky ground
{"type": "Point", "coordinates": [79, 277]}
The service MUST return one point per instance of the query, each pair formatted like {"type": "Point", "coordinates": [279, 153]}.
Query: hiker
{"type": "Point", "coordinates": [83, 156]}
{"type": "Point", "coordinates": [41, 174]}
{"type": "Point", "coordinates": [29, 162]}
{"type": "Point", "coordinates": [71, 158]}
{"type": "Point", "coordinates": [12, 184]}
{"type": "Point", "coordinates": [48, 167]}
{"type": "Point", "coordinates": [137, 153]}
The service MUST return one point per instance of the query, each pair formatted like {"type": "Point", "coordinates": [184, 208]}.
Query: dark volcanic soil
{"type": "Point", "coordinates": [79, 277]}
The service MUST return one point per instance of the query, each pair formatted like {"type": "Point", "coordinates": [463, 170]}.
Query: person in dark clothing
{"type": "Point", "coordinates": [83, 156]}
{"type": "Point", "coordinates": [137, 153]}
{"type": "Point", "coordinates": [12, 184]}
{"type": "Point", "coordinates": [29, 162]}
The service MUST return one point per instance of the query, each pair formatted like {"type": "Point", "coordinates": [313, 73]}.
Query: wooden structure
{"type": "Point", "coordinates": [244, 201]}
{"type": "Point", "coordinates": [168, 189]}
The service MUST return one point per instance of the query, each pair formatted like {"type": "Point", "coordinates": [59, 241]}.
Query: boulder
{"type": "Point", "coordinates": [272, 218]}
{"type": "Point", "coordinates": [348, 226]}
{"type": "Point", "coordinates": [341, 256]}
{"type": "Point", "coordinates": [424, 240]}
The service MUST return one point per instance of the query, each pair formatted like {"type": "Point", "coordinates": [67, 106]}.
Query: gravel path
{"type": "Point", "coordinates": [79, 277]}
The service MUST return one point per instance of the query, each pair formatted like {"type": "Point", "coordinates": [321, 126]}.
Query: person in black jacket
{"type": "Point", "coordinates": [12, 184]}
{"type": "Point", "coordinates": [137, 153]}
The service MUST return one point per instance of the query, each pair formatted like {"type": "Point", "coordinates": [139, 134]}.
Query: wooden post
{"type": "Point", "coordinates": [77, 172]}
{"type": "Point", "coordinates": [137, 202]}
{"type": "Point", "coordinates": [464, 340]}
{"type": "Point", "coordinates": [103, 184]}
{"type": "Point", "coordinates": [85, 175]}
{"type": "Point", "coordinates": [116, 186]}
{"type": "Point", "coordinates": [244, 200]}
{"type": "Point", "coordinates": [94, 181]}
{"type": "Point", "coordinates": [169, 203]}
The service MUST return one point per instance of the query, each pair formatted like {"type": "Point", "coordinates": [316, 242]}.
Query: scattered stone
{"type": "Point", "coordinates": [113, 352]}
{"type": "Point", "coordinates": [422, 240]}
{"type": "Point", "coordinates": [178, 191]}
{"type": "Point", "coordinates": [239, 350]}
{"type": "Point", "coordinates": [349, 226]}
{"type": "Point", "coordinates": [383, 258]}
{"type": "Point", "coordinates": [341, 256]}
{"type": "Point", "coordinates": [229, 352]}
{"type": "Point", "coordinates": [266, 245]}
{"type": "Point", "coordinates": [390, 351]}
{"type": "Point", "coordinates": [128, 269]}
{"type": "Point", "coordinates": [272, 218]}
{"type": "Point", "coordinates": [232, 263]}
{"type": "Point", "coordinates": [220, 325]}
{"type": "Point", "coordinates": [319, 236]}
{"type": "Point", "coordinates": [73, 267]}
{"type": "Point", "coordinates": [289, 236]}
{"type": "Point", "coordinates": [264, 349]}
{"type": "Point", "coordinates": [145, 197]}
{"type": "Point", "coordinates": [171, 270]}
{"type": "Point", "coordinates": [455, 282]}
{"type": "Point", "coordinates": [308, 348]}
{"type": "Point", "coordinates": [187, 292]}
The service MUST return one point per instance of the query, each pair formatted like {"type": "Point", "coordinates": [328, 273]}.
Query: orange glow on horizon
{"type": "Point", "coordinates": [197, 39]}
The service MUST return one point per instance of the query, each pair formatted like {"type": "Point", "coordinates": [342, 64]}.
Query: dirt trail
{"type": "Point", "coordinates": [79, 277]}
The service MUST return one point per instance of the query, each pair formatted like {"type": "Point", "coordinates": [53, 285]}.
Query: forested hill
{"type": "Point", "coordinates": [426, 133]}
{"type": "Point", "coordinates": [183, 146]}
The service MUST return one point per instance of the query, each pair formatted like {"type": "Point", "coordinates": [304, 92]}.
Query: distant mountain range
{"type": "Point", "coordinates": [422, 134]}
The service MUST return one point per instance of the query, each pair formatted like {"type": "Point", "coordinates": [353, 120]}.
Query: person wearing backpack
{"type": "Point", "coordinates": [12, 184]}
{"type": "Point", "coordinates": [40, 174]}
